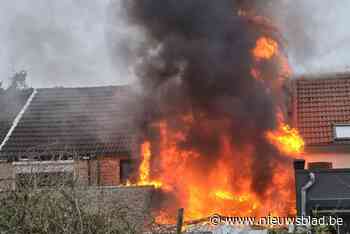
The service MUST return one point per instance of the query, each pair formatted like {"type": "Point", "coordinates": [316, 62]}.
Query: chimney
{"type": "Point", "coordinates": [299, 164]}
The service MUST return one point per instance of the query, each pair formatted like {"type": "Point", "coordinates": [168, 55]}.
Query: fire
{"type": "Point", "coordinates": [145, 168]}
{"type": "Point", "coordinates": [287, 140]}
{"type": "Point", "coordinates": [225, 195]}
{"type": "Point", "coordinates": [224, 180]}
{"type": "Point", "coordinates": [226, 189]}
{"type": "Point", "coordinates": [145, 165]}
{"type": "Point", "coordinates": [265, 48]}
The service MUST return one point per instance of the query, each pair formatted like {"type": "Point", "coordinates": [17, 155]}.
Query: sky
{"type": "Point", "coordinates": [59, 43]}
{"type": "Point", "coordinates": [72, 42]}
{"type": "Point", "coordinates": [317, 33]}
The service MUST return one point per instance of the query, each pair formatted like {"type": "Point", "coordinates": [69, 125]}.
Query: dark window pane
{"type": "Point", "coordinates": [126, 169]}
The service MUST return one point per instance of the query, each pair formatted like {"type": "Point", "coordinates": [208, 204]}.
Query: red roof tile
{"type": "Point", "coordinates": [318, 104]}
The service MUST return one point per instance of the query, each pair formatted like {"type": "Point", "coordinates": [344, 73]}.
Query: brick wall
{"type": "Point", "coordinates": [105, 171]}
{"type": "Point", "coordinates": [109, 171]}
{"type": "Point", "coordinates": [85, 172]}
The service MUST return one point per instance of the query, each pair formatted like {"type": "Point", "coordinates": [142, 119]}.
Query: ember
{"type": "Point", "coordinates": [216, 78]}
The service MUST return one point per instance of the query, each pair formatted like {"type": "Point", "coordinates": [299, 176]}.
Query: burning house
{"type": "Point", "coordinates": [215, 128]}
{"type": "Point", "coordinates": [218, 138]}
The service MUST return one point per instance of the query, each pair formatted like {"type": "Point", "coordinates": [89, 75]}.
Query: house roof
{"type": "Point", "coordinates": [11, 102]}
{"type": "Point", "coordinates": [318, 103]}
{"type": "Point", "coordinates": [82, 121]}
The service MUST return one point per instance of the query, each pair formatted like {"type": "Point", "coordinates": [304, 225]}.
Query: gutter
{"type": "Point", "coordinates": [303, 192]}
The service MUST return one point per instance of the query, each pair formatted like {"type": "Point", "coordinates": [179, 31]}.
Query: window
{"type": "Point", "coordinates": [341, 132]}
{"type": "Point", "coordinates": [126, 168]}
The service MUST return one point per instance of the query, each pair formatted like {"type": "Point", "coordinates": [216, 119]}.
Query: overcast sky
{"type": "Point", "coordinates": [69, 43]}
{"type": "Point", "coordinates": [317, 32]}
{"type": "Point", "coordinates": [59, 43]}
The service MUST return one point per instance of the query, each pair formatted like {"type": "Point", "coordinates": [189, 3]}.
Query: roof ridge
{"type": "Point", "coordinates": [86, 87]}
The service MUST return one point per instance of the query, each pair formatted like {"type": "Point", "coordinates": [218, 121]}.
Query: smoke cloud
{"type": "Point", "coordinates": [70, 42]}
{"type": "Point", "coordinates": [316, 31]}
{"type": "Point", "coordinates": [59, 43]}
{"type": "Point", "coordinates": [197, 60]}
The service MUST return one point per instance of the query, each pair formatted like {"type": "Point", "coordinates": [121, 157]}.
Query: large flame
{"type": "Point", "coordinates": [144, 168]}
{"type": "Point", "coordinates": [226, 189]}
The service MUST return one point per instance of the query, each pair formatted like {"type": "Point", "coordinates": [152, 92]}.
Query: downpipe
{"type": "Point", "coordinates": [304, 190]}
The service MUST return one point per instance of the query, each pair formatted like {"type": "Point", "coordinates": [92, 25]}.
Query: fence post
{"type": "Point", "coordinates": [180, 219]}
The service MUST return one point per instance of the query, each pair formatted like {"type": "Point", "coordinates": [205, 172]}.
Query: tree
{"type": "Point", "coordinates": [18, 81]}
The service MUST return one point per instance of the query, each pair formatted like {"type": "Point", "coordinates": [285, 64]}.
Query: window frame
{"type": "Point", "coordinates": [334, 128]}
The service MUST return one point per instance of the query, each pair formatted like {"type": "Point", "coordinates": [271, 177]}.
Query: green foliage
{"type": "Point", "coordinates": [59, 210]}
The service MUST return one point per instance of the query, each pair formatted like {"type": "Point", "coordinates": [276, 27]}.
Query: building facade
{"type": "Point", "coordinates": [321, 113]}
{"type": "Point", "coordinates": [91, 134]}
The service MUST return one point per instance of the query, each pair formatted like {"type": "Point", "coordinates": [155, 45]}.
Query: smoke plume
{"type": "Point", "coordinates": [197, 59]}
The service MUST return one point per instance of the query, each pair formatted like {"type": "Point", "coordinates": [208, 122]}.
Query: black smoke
{"type": "Point", "coordinates": [197, 59]}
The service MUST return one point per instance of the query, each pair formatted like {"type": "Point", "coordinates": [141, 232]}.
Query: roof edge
{"type": "Point", "coordinates": [323, 76]}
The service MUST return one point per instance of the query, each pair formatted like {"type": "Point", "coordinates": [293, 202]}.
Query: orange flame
{"type": "Point", "coordinates": [287, 140]}
{"type": "Point", "coordinates": [145, 168]}
{"type": "Point", "coordinates": [145, 165]}
{"type": "Point", "coordinates": [226, 189]}
{"type": "Point", "coordinates": [265, 48]}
